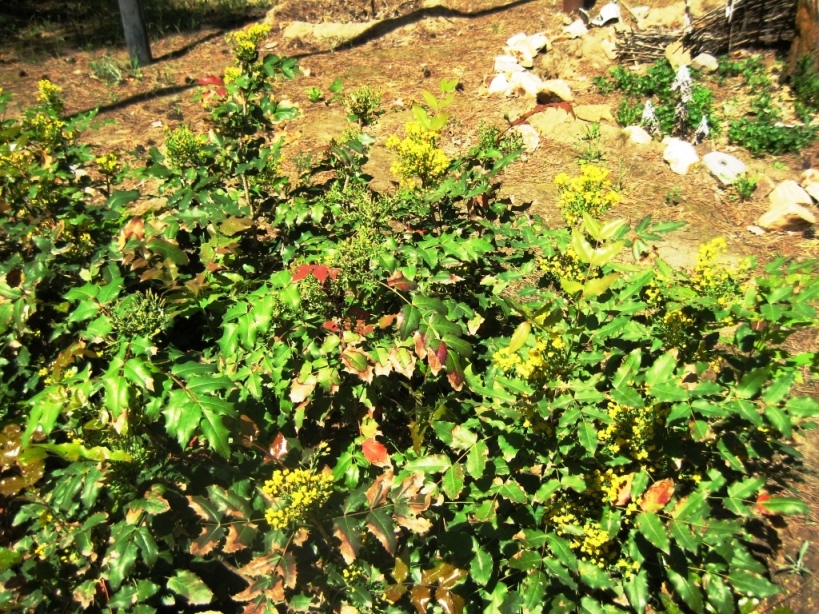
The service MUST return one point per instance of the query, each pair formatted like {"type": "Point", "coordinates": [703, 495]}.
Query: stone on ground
{"type": "Point", "coordinates": [557, 87]}
{"type": "Point", "coordinates": [525, 84]}
{"type": "Point", "coordinates": [594, 113]}
{"type": "Point", "coordinates": [637, 135]}
{"type": "Point", "coordinates": [789, 193]}
{"type": "Point", "coordinates": [787, 217]}
{"type": "Point", "coordinates": [725, 167]}
{"type": "Point", "coordinates": [576, 29]}
{"type": "Point", "coordinates": [530, 137]}
{"type": "Point", "coordinates": [680, 155]}
{"type": "Point", "coordinates": [705, 62]}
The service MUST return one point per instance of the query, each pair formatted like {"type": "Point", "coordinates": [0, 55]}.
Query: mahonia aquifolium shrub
{"type": "Point", "coordinates": [277, 394]}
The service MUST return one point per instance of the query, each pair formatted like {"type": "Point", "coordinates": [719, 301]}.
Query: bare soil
{"type": "Point", "coordinates": [410, 50]}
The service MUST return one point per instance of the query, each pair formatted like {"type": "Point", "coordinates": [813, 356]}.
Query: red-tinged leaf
{"type": "Point", "coordinates": [362, 328]}
{"type": "Point", "coordinates": [356, 362]}
{"type": "Point", "coordinates": [455, 374]}
{"type": "Point", "coordinates": [403, 362]}
{"type": "Point", "coordinates": [441, 353]}
{"type": "Point", "coordinates": [279, 449]}
{"type": "Point", "coordinates": [320, 272]}
{"type": "Point", "coordinates": [420, 344]}
{"type": "Point", "coordinates": [399, 282]}
{"type": "Point", "coordinates": [375, 452]}
{"type": "Point", "coordinates": [377, 493]}
{"type": "Point", "coordinates": [387, 321]}
{"type": "Point", "coordinates": [221, 91]}
{"type": "Point", "coordinates": [211, 80]}
{"type": "Point", "coordinates": [624, 493]}
{"type": "Point", "coordinates": [301, 272]}
{"type": "Point", "coordinates": [763, 496]}
{"type": "Point", "coordinates": [657, 495]}
{"type": "Point", "coordinates": [434, 359]}
{"type": "Point", "coordinates": [239, 537]}
{"type": "Point", "coordinates": [331, 326]}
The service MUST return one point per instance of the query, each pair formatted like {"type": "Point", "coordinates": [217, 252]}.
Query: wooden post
{"type": "Point", "coordinates": [136, 37]}
{"type": "Point", "coordinates": [806, 34]}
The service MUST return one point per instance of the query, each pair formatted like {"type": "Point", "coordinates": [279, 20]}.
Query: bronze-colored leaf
{"type": "Point", "coordinates": [279, 449]}
{"type": "Point", "coordinates": [208, 539]}
{"type": "Point", "coordinates": [248, 429]}
{"type": "Point", "coordinates": [420, 596]}
{"type": "Point", "coordinates": [450, 602]}
{"type": "Point", "coordinates": [394, 592]}
{"type": "Point", "coordinates": [301, 536]}
{"type": "Point", "coordinates": [445, 574]}
{"type": "Point", "coordinates": [403, 361]}
{"type": "Point", "coordinates": [347, 531]}
{"type": "Point", "coordinates": [239, 537]}
{"type": "Point", "coordinates": [401, 569]}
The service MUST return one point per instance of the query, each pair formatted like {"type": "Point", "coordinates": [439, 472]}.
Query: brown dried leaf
{"type": "Point", "coordinates": [248, 429]}
{"type": "Point", "coordinates": [301, 390]}
{"type": "Point", "coordinates": [377, 493]}
{"type": "Point", "coordinates": [208, 539]}
{"type": "Point", "coordinates": [239, 537]}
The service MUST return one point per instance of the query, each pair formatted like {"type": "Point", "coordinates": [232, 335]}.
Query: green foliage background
{"type": "Point", "coordinates": [452, 406]}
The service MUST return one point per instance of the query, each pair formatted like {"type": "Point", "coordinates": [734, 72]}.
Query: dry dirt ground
{"type": "Point", "coordinates": [410, 49]}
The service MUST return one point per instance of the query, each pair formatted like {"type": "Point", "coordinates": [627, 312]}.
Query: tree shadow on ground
{"type": "Point", "coordinates": [54, 27]}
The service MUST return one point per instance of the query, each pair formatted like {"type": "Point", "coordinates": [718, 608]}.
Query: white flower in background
{"type": "Point", "coordinates": [702, 131]}
{"type": "Point", "coordinates": [649, 118]}
{"type": "Point", "coordinates": [683, 83]}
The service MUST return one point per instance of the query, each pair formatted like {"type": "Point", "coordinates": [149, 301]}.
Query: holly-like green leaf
{"type": "Point", "coordinates": [687, 589]}
{"type": "Point", "coordinates": [434, 463]}
{"type": "Point", "coordinates": [380, 524]}
{"type": "Point", "coordinates": [636, 589]}
{"type": "Point", "coordinates": [481, 566]}
{"type": "Point", "coordinates": [190, 586]}
{"type": "Point", "coordinates": [476, 460]}
{"type": "Point", "coordinates": [651, 527]}
{"type": "Point", "coordinates": [594, 577]}
{"type": "Point", "coordinates": [453, 481]}
{"type": "Point", "coordinates": [788, 506]}
{"type": "Point", "coordinates": [587, 435]}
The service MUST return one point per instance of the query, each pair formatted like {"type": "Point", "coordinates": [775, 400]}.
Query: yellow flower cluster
{"type": "Point", "coordinates": [675, 329]}
{"type": "Point", "coordinates": [295, 493]}
{"type": "Point", "coordinates": [546, 361]}
{"type": "Point", "coordinates": [231, 74]}
{"type": "Point", "coordinates": [632, 430]}
{"type": "Point", "coordinates": [47, 129]}
{"type": "Point", "coordinates": [606, 485]}
{"type": "Point", "coordinates": [183, 147]}
{"type": "Point", "coordinates": [590, 192]}
{"type": "Point", "coordinates": [109, 164]}
{"type": "Point", "coordinates": [245, 43]}
{"type": "Point", "coordinates": [710, 278]}
{"type": "Point", "coordinates": [564, 265]}
{"type": "Point", "coordinates": [418, 155]}
{"type": "Point", "coordinates": [50, 95]}
{"type": "Point", "coordinates": [590, 541]}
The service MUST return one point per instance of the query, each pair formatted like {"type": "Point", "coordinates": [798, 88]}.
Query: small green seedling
{"type": "Point", "coordinates": [315, 95]}
{"type": "Point", "coordinates": [797, 566]}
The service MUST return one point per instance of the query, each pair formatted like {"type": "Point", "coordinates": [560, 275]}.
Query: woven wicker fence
{"type": "Point", "coordinates": [739, 25]}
